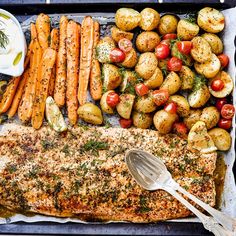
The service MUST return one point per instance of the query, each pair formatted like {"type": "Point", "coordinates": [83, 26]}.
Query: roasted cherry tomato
{"type": "Point", "coordinates": [160, 97]}
{"type": "Point", "coordinates": [227, 111]}
{"type": "Point", "coordinates": [170, 36]}
{"type": "Point", "coordinates": [141, 89]}
{"type": "Point", "coordinates": [125, 45]}
{"type": "Point", "coordinates": [220, 103]}
{"type": "Point", "coordinates": [125, 123]}
{"type": "Point", "coordinates": [224, 60]}
{"type": "Point", "coordinates": [225, 124]}
{"type": "Point", "coordinates": [184, 46]}
{"type": "Point", "coordinates": [112, 99]}
{"type": "Point", "coordinates": [162, 51]}
{"type": "Point", "coordinates": [117, 55]}
{"type": "Point", "coordinates": [180, 128]}
{"type": "Point", "coordinates": [166, 42]}
{"type": "Point", "coordinates": [174, 64]}
{"type": "Point", "coordinates": [217, 85]}
{"type": "Point", "coordinates": [171, 107]}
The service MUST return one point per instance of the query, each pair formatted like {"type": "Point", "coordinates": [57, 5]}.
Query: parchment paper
{"type": "Point", "coordinates": [229, 194]}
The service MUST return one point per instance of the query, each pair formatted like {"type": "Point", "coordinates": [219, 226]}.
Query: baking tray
{"type": "Point", "coordinates": [24, 11]}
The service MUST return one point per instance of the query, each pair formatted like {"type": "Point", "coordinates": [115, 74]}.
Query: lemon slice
{"type": "Point", "coordinates": [199, 139]}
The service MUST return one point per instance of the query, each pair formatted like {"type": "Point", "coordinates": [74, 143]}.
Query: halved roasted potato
{"type": "Point", "coordinates": [142, 120]}
{"type": "Point", "coordinates": [118, 34]}
{"type": "Point", "coordinates": [211, 20]}
{"type": "Point", "coordinates": [199, 97]}
{"type": "Point", "coordinates": [211, 116]}
{"type": "Point", "coordinates": [209, 68]}
{"type": "Point", "coordinates": [147, 41]}
{"type": "Point", "coordinates": [187, 30]}
{"type": "Point", "coordinates": [201, 50]}
{"type": "Point", "coordinates": [145, 104]}
{"type": "Point", "coordinates": [172, 83]}
{"type": "Point", "coordinates": [215, 42]}
{"type": "Point", "coordinates": [199, 139]}
{"type": "Point", "coordinates": [193, 117]}
{"type": "Point", "coordinates": [149, 19]}
{"type": "Point", "coordinates": [228, 85]}
{"type": "Point", "coordinates": [187, 77]}
{"type": "Point", "coordinates": [103, 103]}
{"type": "Point", "coordinates": [156, 79]}
{"type": "Point", "coordinates": [168, 24]}
{"type": "Point", "coordinates": [131, 59]}
{"type": "Point", "coordinates": [128, 82]}
{"type": "Point", "coordinates": [183, 108]}
{"type": "Point", "coordinates": [124, 107]}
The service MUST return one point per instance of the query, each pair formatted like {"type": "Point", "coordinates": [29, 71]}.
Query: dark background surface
{"type": "Point", "coordinates": [24, 9]}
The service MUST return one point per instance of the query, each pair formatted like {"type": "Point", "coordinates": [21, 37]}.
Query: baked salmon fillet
{"type": "Point", "coordinates": [82, 173]}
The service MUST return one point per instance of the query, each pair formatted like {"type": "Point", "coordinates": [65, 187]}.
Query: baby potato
{"type": "Point", "coordinates": [228, 85]}
{"type": "Point", "coordinates": [183, 108]}
{"type": "Point", "coordinates": [187, 30]}
{"type": "Point", "coordinates": [111, 76]}
{"type": "Point", "coordinates": [103, 103]}
{"type": "Point", "coordinates": [198, 98]}
{"type": "Point", "coordinates": [215, 42]}
{"type": "Point", "coordinates": [142, 120]}
{"type": "Point", "coordinates": [221, 138]}
{"type": "Point", "coordinates": [209, 68]}
{"type": "Point", "coordinates": [211, 20]}
{"type": "Point", "coordinates": [156, 79]}
{"type": "Point", "coordinates": [168, 24]}
{"type": "Point", "coordinates": [211, 116]}
{"type": "Point", "coordinates": [149, 19]}
{"type": "Point", "coordinates": [162, 64]}
{"type": "Point", "coordinates": [147, 64]}
{"type": "Point", "coordinates": [118, 34]}
{"type": "Point", "coordinates": [131, 59]}
{"type": "Point", "coordinates": [164, 121]}
{"type": "Point", "coordinates": [187, 77]}
{"type": "Point", "coordinates": [129, 79]}
{"type": "Point", "coordinates": [192, 118]}
{"type": "Point", "coordinates": [90, 113]}
{"type": "Point", "coordinates": [201, 50]}
{"type": "Point", "coordinates": [127, 19]}
{"type": "Point", "coordinates": [172, 83]}
{"type": "Point", "coordinates": [147, 41]}
{"type": "Point", "coordinates": [145, 104]}
{"type": "Point", "coordinates": [124, 107]}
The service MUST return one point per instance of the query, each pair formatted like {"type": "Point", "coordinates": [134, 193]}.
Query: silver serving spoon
{"type": "Point", "coordinates": [151, 173]}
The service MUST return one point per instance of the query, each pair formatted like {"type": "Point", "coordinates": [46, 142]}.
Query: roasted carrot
{"type": "Point", "coordinates": [43, 30]}
{"type": "Point", "coordinates": [85, 58]}
{"type": "Point", "coordinates": [28, 54]}
{"type": "Point", "coordinates": [95, 74]}
{"type": "Point", "coordinates": [44, 75]}
{"type": "Point", "coordinates": [18, 95]}
{"type": "Point", "coordinates": [54, 44]}
{"type": "Point", "coordinates": [9, 94]}
{"type": "Point", "coordinates": [60, 81]}
{"type": "Point", "coordinates": [73, 31]}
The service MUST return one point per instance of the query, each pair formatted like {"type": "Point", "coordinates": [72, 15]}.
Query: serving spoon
{"type": "Point", "coordinates": [151, 173]}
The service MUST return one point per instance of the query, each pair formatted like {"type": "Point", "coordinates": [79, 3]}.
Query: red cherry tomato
{"type": "Point", "coordinates": [141, 89]}
{"type": "Point", "coordinates": [170, 36]}
{"type": "Point", "coordinates": [227, 111]}
{"type": "Point", "coordinates": [160, 96]}
{"type": "Point", "coordinates": [184, 46]}
{"type": "Point", "coordinates": [225, 124]}
{"type": "Point", "coordinates": [180, 128]}
{"type": "Point", "coordinates": [125, 45]}
{"type": "Point", "coordinates": [166, 42]}
{"type": "Point", "coordinates": [174, 64]}
{"type": "Point", "coordinates": [224, 60]}
{"type": "Point", "coordinates": [162, 51]}
{"type": "Point", "coordinates": [171, 107]}
{"type": "Point", "coordinates": [112, 99]}
{"type": "Point", "coordinates": [217, 85]}
{"type": "Point", "coordinates": [125, 123]}
{"type": "Point", "coordinates": [220, 103]}
{"type": "Point", "coordinates": [117, 55]}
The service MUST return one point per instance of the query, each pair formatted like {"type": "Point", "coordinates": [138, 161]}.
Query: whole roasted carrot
{"type": "Point", "coordinates": [73, 31]}
{"type": "Point", "coordinates": [85, 58]}
{"type": "Point", "coordinates": [28, 54]}
{"type": "Point", "coordinates": [54, 44]}
{"type": "Point", "coordinates": [95, 74]}
{"type": "Point", "coordinates": [60, 81]}
{"type": "Point", "coordinates": [45, 71]}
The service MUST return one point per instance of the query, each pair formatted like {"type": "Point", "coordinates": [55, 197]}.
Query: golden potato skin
{"type": "Point", "coordinates": [124, 107]}
{"type": "Point", "coordinates": [172, 83]}
{"type": "Point", "coordinates": [211, 116]}
{"type": "Point", "coordinates": [198, 98]}
{"type": "Point", "coordinates": [156, 80]}
{"type": "Point", "coordinates": [215, 43]}
{"type": "Point", "coordinates": [187, 30]}
{"type": "Point", "coordinates": [131, 59]}
{"type": "Point", "coordinates": [149, 19]}
{"type": "Point", "coordinates": [187, 77]}
{"type": "Point", "coordinates": [147, 41]}
{"type": "Point", "coordinates": [145, 104]}
{"type": "Point", "coordinates": [103, 103]}
{"type": "Point", "coordinates": [147, 64]}
{"type": "Point", "coordinates": [164, 121]}
{"type": "Point", "coordinates": [192, 118]}
{"type": "Point", "coordinates": [129, 78]}
{"type": "Point", "coordinates": [183, 108]}
{"type": "Point", "coordinates": [118, 34]}
{"type": "Point", "coordinates": [127, 19]}
{"type": "Point", "coordinates": [168, 24]}
{"type": "Point", "coordinates": [221, 138]}
{"type": "Point", "coordinates": [142, 120]}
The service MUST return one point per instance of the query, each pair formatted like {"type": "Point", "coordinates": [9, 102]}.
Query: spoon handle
{"type": "Point", "coordinates": [226, 221]}
{"type": "Point", "coordinates": [208, 222]}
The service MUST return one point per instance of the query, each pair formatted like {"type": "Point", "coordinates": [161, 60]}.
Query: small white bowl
{"type": "Point", "coordinates": [16, 70]}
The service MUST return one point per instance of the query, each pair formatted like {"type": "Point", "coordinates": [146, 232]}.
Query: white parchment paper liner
{"type": "Point", "coordinates": [229, 193]}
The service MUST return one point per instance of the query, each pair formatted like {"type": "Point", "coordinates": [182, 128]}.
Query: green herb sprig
{"type": "Point", "coordinates": [94, 146]}
{"type": "Point", "coordinates": [4, 40]}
